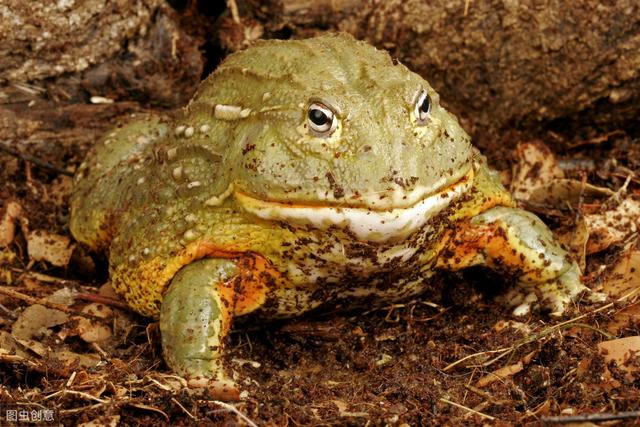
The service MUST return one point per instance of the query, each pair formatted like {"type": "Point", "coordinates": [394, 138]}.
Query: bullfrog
{"type": "Point", "coordinates": [302, 173]}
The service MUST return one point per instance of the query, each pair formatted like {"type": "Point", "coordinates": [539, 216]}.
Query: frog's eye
{"type": "Point", "coordinates": [422, 107]}
{"type": "Point", "coordinates": [322, 121]}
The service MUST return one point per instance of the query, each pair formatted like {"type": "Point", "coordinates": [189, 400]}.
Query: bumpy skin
{"type": "Point", "coordinates": [237, 206]}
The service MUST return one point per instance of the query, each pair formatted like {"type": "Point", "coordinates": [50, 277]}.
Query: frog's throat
{"type": "Point", "coordinates": [365, 224]}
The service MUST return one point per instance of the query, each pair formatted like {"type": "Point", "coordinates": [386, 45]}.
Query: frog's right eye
{"type": "Point", "coordinates": [422, 108]}
{"type": "Point", "coordinates": [322, 121]}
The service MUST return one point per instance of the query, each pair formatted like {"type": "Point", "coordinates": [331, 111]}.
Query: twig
{"type": "Point", "coordinates": [235, 15]}
{"type": "Point", "coordinates": [606, 416]}
{"type": "Point", "coordinates": [76, 393]}
{"type": "Point", "coordinates": [10, 314]}
{"type": "Point", "coordinates": [457, 362]}
{"type": "Point", "coordinates": [5, 290]}
{"type": "Point", "coordinates": [571, 322]}
{"type": "Point", "coordinates": [36, 161]}
{"type": "Point", "coordinates": [80, 409]}
{"type": "Point", "coordinates": [174, 400]}
{"type": "Point", "coordinates": [148, 408]}
{"type": "Point", "coordinates": [597, 140]}
{"type": "Point", "coordinates": [235, 411]}
{"type": "Point", "coordinates": [465, 408]}
{"type": "Point", "coordinates": [594, 329]}
{"type": "Point", "coordinates": [102, 300]}
{"type": "Point", "coordinates": [14, 358]}
{"type": "Point", "coordinates": [99, 349]}
{"type": "Point", "coordinates": [484, 394]}
{"type": "Point", "coordinates": [41, 277]}
{"type": "Point", "coordinates": [29, 89]}
{"type": "Point", "coordinates": [71, 379]}
{"type": "Point", "coordinates": [622, 190]}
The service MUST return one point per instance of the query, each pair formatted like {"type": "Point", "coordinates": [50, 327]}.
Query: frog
{"type": "Point", "coordinates": [303, 173]}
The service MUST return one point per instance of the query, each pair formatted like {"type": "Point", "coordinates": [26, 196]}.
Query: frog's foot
{"type": "Point", "coordinates": [555, 295]}
{"type": "Point", "coordinates": [195, 318]}
{"type": "Point", "coordinates": [517, 242]}
{"type": "Point", "coordinates": [225, 389]}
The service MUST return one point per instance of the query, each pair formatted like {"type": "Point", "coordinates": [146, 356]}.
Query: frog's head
{"type": "Point", "coordinates": [330, 131]}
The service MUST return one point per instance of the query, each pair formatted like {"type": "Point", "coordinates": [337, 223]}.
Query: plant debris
{"type": "Point", "coordinates": [454, 356]}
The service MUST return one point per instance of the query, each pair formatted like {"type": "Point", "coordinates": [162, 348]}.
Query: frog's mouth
{"type": "Point", "coordinates": [365, 224]}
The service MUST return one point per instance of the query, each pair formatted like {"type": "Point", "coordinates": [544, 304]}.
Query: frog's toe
{"type": "Point", "coordinates": [555, 299]}
{"type": "Point", "coordinates": [514, 297]}
{"type": "Point", "coordinates": [570, 282]}
{"type": "Point", "coordinates": [554, 296]}
{"type": "Point", "coordinates": [520, 298]}
{"type": "Point", "coordinates": [524, 301]}
{"type": "Point", "coordinates": [558, 294]}
{"type": "Point", "coordinates": [595, 297]}
{"type": "Point", "coordinates": [219, 389]}
{"type": "Point", "coordinates": [524, 304]}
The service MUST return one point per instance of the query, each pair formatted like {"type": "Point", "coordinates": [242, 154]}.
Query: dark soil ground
{"type": "Point", "coordinates": [456, 356]}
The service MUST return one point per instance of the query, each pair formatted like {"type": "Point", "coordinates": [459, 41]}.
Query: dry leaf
{"type": "Point", "coordinates": [60, 189]}
{"type": "Point", "coordinates": [501, 325]}
{"type": "Point", "coordinates": [94, 330]}
{"type": "Point", "coordinates": [561, 193]}
{"type": "Point", "coordinates": [107, 290]}
{"type": "Point", "coordinates": [576, 241]}
{"type": "Point", "coordinates": [342, 410]}
{"type": "Point", "coordinates": [8, 345]}
{"type": "Point", "coordinates": [536, 166]}
{"type": "Point", "coordinates": [104, 421]}
{"type": "Point", "coordinates": [613, 225]}
{"type": "Point", "coordinates": [70, 358]}
{"type": "Point", "coordinates": [36, 320]}
{"type": "Point", "coordinates": [63, 296]}
{"type": "Point", "coordinates": [66, 297]}
{"type": "Point", "coordinates": [8, 223]}
{"type": "Point", "coordinates": [499, 374]}
{"type": "Point", "coordinates": [625, 275]}
{"type": "Point", "coordinates": [35, 346]}
{"type": "Point", "coordinates": [621, 351]}
{"type": "Point", "coordinates": [628, 315]}
{"type": "Point", "coordinates": [539, 180]}
{"type": "Point", "coordinates": [49, 247]}
{"type": "Point", "coordinates": [543, 409]}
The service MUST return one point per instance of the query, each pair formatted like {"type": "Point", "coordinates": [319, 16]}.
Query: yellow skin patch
{"type": "Point", "coordinates": [302, 173]}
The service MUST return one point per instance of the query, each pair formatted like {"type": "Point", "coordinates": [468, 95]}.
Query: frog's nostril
{"type": "Point", "coordinates": [366, 151]}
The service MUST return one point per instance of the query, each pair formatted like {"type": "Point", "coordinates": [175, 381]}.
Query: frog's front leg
{"type": "Point", "coordinates": [515, 241]}
{"type": "Point", "coordinates": [196, 316]}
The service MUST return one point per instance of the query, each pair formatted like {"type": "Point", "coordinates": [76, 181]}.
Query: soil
{"type": "Point", "coordinates": [427, 361]}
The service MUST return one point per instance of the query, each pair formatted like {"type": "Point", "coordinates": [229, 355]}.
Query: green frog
{"type": "Point", "coordinates": [302, 172]}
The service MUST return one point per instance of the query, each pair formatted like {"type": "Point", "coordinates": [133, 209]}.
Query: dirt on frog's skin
{"type": "Point", "coordinates": [455, 356]}
{"type": "Point", "coordinates": [356, 368]}
{"type": "Point", "coordinates": [383, 366]}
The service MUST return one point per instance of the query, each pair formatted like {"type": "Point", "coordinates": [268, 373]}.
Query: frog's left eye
{"type": "Point", "coordinates": [322, 121]}
{"type": "Point", "coordinates": [422, 108]}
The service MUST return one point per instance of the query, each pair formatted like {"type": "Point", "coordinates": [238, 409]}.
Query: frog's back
{"type": "Point", "coordinates": [104, 189]}
{"type": "Point", "coordinates": [146, 171]}
{"type": "Point", "coordinates": [137, 196]}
